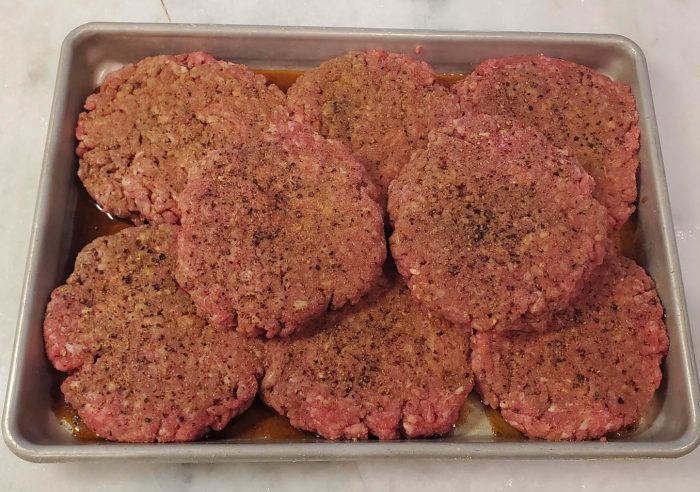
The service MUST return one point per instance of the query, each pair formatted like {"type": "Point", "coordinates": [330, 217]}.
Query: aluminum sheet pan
{"type": "Point", "coordinates": [30, 428]}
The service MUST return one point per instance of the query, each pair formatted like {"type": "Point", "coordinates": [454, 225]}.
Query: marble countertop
{"type": "Point", "coordinates": [30, 39]}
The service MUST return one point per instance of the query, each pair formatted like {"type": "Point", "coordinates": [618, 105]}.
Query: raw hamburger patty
{"type": "Point", "coordinates": [381, 104]}
{"type": "Point", "coordinates": [492, 222]}
{"type": "Point", "coordinates": [275, 233]}
{"type": "Point", "coordinates": [150, 121]}
{"type": "Point", "coordinates": [143, 366]}
{"type": "Point", "coordinates": [575, 107]}
{"type": "Point", "coordinates": [383, 367]}
{"type": "Point", "coordinates": [593, 372]}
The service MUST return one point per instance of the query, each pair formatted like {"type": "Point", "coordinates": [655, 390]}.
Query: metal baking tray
{"type": "Point", "coordinates": [31, 430]}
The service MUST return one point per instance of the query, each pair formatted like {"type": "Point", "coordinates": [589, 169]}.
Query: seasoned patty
{"type": "Point", "coordinates": [576, 108]}
{"type": "Point", "coordinates": [383, 367]}
{"type": "Point", "coordinates": [594, 371]}
{"type": "Point", "coordinates": [143, 366]}
{"type": "Point", "coordinates": [150, 121]}
{"type": "Point", "coordinates": [275, 233]}
{"type": "Point", "coordinates": [380, 104]}
{"type": "Point", "coordinates": [492, 223]}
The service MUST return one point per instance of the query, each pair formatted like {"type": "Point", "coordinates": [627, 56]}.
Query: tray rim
{"type": "Point", "coordinates": [220, 452]}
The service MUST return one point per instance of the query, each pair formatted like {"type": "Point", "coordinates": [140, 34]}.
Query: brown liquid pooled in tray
{"type": "Point", "coordinates": [500, 428]}
{"type": "Point", "coordinates": [281, 78]}
{"type": "Point", "coordinates": [71, 421]}
{"type": "Point", "coordinates": [625, 241]}
{"type": "Point", "coordinates": [285, 78]}
{"type": "Point", "coordinates": [259, 422]}
{"type": "Point", "coordinates": [89, 223]}
{"type": "Point", "coordinates": [448, 79]}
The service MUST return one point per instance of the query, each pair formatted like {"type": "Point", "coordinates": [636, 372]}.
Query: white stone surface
{"type": "Point", "coordinates": [30, 38]}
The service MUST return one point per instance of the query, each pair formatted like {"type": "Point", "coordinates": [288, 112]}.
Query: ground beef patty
{"type": "Point", "coordinates": [381, 104]}
{"type": "Point", "coordinates": [143, 366]}
{"type": "Point", "coordinates": [383, 367]}
{"type": "Point", "coordinates": [150, 121]}
{"type": "Point", "coordinates": [575, 107]}
{"type": "Point", "coordinates": [492, 222]}
{"type": "Point", "coordinates": [593, 372]}
{"type": "Point", "coordinates": [276, 232]}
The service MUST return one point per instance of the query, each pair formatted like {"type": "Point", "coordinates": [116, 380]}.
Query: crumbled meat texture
{"type": "Point", "coordinates": [492, 223]}
{"type": "Point", "coordinates": [276, 233]}
{"type": "Point", "coordinates": [143, 366]}
{"type": "Point", "coordinates": [576, 108]}
{"type": "Point", "coordinates": [380, 104]}
{"type": "Point", "coordinates": [593, 371]}
{"type": "Point", "coordinates": [383, 367]}
{"type": "Point", "coordinates": [150, 121]}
